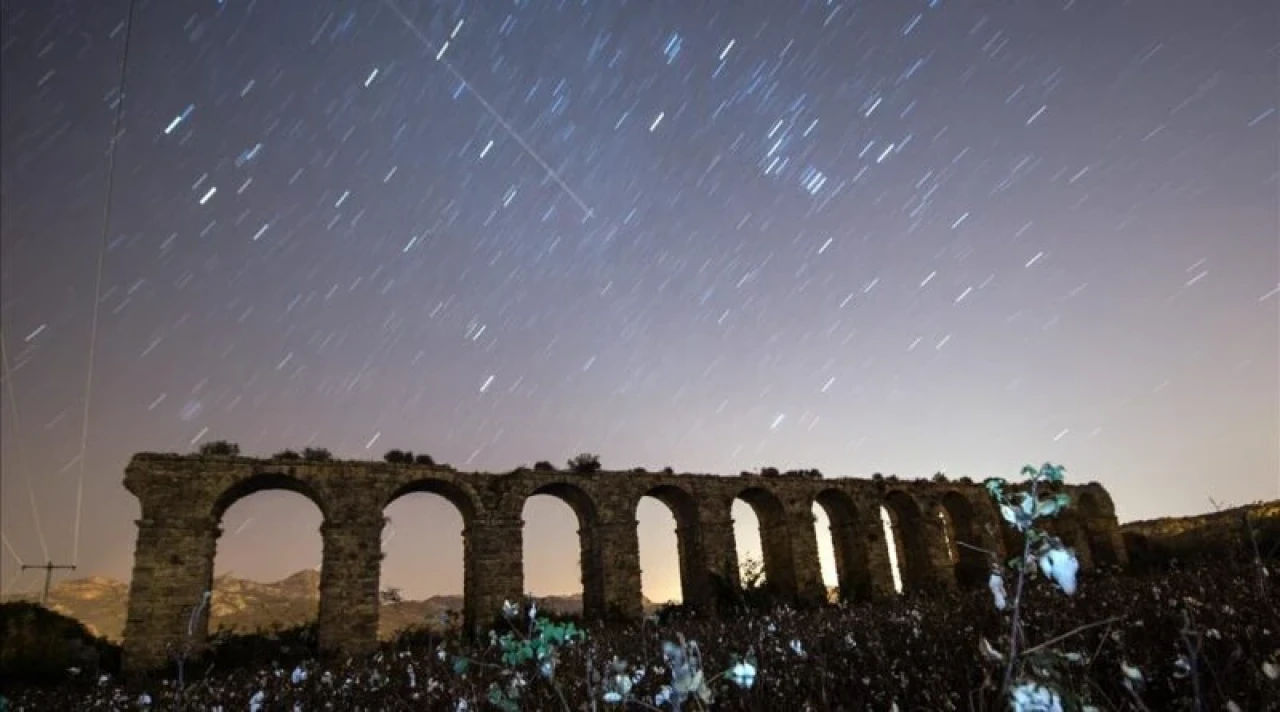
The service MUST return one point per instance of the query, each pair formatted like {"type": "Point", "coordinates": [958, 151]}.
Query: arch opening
{"type": "Point", "coordinates": [560, 518]}
{"type": "Point", "coordinates": [746, 537]}
{"type": "Point", "coordinates": [667, 518]}
{"type": "Point", "coordinates": [827, 565]}
{"type": "Point", "coordinates": [269, 553]}
{"type": "Point", "coordinates": [844, 539]}
{"type": "Point", "coordinates": [894, 547]}
{"type": "Point", "coordinates": [421, 581]}
{"type": "Point", "coordinates": [774, 540]}
{"type": "Point", "coordinates": [960, 527]}
{"type": "Point", "coordinates": [908, 534]}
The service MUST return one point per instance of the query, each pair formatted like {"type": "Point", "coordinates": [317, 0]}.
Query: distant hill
{"type": "Point", "coordinates": [244, 606]}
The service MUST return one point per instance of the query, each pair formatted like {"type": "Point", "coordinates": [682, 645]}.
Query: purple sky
{"type": "Point", "coordinates": [895, 237]}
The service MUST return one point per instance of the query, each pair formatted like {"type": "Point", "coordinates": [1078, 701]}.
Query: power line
{"type": "Point", "coordinates": [48, 576]}
{"type": "Point", "coordinates": [555, 175]}
{"type": "Point", "coordinates": [97, 290]}
{"type": "Point", "coordinates": [12, 552]}
{"type": "Point", "coordinates": [22, 455]}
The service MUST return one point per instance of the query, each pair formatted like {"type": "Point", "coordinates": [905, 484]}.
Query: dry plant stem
{"type": "Point", "coordinates": [1137, 701]}
{"type": "Point", "coordinates": [977, 548]}
{"type": "Point", "coordinates": [1074, 631]}
{"type": "Point", "coordinates": [1015, 625]}
{"type": "Point", "coordinates": [591, 692]}
{"type": "Point", "coordinates": [1193, 653]}
{"type": "Point", "coordinates": [1261, 567]}
{"type": "Point", "coordinates": [560, 694]}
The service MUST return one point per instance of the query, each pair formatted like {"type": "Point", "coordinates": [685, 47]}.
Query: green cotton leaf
{"type": "Point", "coordinates": [460, 665]}
{"type": "Point", "coordinates": [499, 699]}
{"type": "Point", "coordinates": [995, 487]}
{"type": "Point", "coordinates": [1029, 471]}
{"type": "Point", "coordinates": [1016, 563]}
{"type": "Point", "coordinates": [1057, 473]}
{"type": "Point", "coordinates": [1052, 506]}
{"type": "Point", "coordinates": [1028, 505]}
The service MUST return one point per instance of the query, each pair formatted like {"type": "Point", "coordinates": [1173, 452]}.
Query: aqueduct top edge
{"type": "Point", "coordinates": [219, 481]}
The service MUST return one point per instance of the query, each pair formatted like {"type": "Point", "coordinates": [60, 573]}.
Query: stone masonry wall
{"type": "Point", "coordinates": [1245, 533]}
{"type": "Point", "coordinates": [184, 497]}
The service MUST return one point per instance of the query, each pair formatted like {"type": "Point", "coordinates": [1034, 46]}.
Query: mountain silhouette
{"type": "Point", "coordinates": [245, 606]}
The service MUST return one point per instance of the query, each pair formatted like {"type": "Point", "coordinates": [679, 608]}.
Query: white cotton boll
{"type": "Point", "coordinates": [256, 702]}
{"type": "Point", "coordinates": [299, 675]}
{"type": "Point", "coordinates": [1132, 675]}
{"type": "Point", "coordinates": [1033, 697]}
{"type": "Point", "coordinates": [743, 675]}
{"type": "Point", "coordinates": [1061, 566]}
{"type": "Point", "coordinates": [996, 584]}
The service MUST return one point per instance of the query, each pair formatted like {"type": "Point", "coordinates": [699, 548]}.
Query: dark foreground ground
{"type": "Point", "coordinates": [1208, 632]}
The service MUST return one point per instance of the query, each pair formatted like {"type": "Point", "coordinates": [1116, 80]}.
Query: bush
{"type": "Point", "coordinates": [40, 646]}
{"type": "Point", "coordinates": [424, 460]}
{"type": "Point", "coordinates": [219, 448]}
{"type": "Point", "coordinates": [288, 455]}
{"type": "Point", "coordinates": [317, 454]}
{"type": "Point", "coordinates": [585, 463]}
{"type": "Point", "coordinates": [398, 457]}
{"type": "Point", "coordinates": [806, 474]}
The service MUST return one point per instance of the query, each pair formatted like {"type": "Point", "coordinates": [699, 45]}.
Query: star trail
{"type": "Point", "coordinates": [899, 237]}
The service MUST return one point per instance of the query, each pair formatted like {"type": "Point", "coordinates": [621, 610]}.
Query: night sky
{"type": "Point", "coordinates": [895, 237]}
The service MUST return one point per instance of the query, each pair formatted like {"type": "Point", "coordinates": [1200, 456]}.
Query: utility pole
{"type": "Point", "coordinates": [48, 576]}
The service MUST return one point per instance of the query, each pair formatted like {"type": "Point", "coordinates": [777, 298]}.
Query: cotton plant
{"type": "Point", "coordinates": [1033, 677]}
{"type": "Point", "coordinates": [619, 681]}
{"type": "Point", "coordinates": [689, 683]}
{"type": "Point", "coordinates": [684, 660]}
{"type": "Point", "coordinates": [532, 641]}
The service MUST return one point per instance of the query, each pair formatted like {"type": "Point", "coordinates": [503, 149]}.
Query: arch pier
{"type": "Point", "coordinates": [184, 497]}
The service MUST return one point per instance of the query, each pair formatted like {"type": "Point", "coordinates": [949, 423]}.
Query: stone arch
{"type": "Point", "coordinates": [176, 553]}
{"type": "Point", "coordinates": [262, 482]}
{"type": "Point", "coordinates": [592, 560]}
{"type": "Point", "coordinates": [775, 540]}
{"type": "Point", "coordinates": [1069, 527]}
{"type": "Point", "coordinates": [909, 537]}
{"type": "Point", "coordinates": [853, 566]}
{"type": "Point", "coordinates": [971, 566]}
{"type": "Point", "coordinates": [1094, 520]}
{"type": "Point", "coordinates": [694, 587]}
{"type": "Point", "coordinates": [460, 498]}
{"type": "Point", "coordinates": [461, 501]}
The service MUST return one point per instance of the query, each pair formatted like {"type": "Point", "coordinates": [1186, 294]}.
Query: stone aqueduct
{"type": "Point", "coordinates": [183, 499]}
